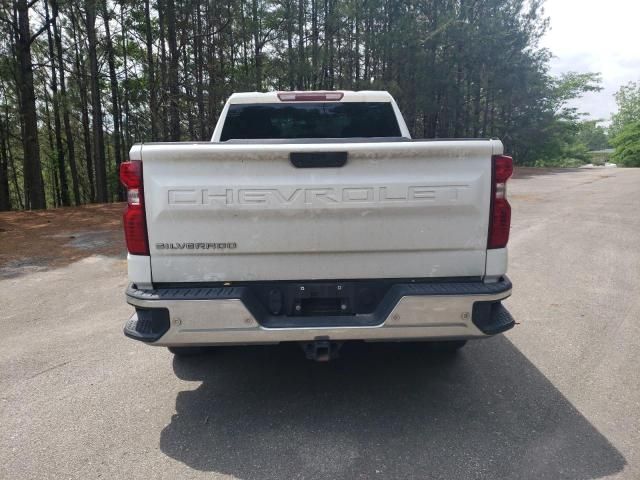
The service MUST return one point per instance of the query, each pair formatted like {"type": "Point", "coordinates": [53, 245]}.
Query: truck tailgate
{"type": "Point", "coordinates": [243, 212]}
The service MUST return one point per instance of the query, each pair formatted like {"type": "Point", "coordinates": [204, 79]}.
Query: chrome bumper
{"type": "Point", "coordinates": [210, 316]}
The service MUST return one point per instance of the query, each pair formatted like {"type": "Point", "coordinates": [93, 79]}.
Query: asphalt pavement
{"type": "Point", "coordinates": [557, 397]}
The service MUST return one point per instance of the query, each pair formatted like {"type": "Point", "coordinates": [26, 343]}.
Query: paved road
{"type": "Point", "coordinates": [557, 397]}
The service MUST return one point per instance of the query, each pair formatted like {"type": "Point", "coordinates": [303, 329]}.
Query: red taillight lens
{"type": "Point", "coordinates": [135, 231]}
{"type": "Point", "coordinates": [135, 224]}
{"type": "Point", "coordinates": [502, 168]}
{"type": "Point", "coordinates": [500, 224]}
{"type": "Point", "coordinates": [500, 219]}
{"type": "Point", "coordinates": [131, 174]}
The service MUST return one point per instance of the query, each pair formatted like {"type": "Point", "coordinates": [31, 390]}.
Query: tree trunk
{"type": "Point", "coordinates": [211, 66]}
{"type": "Point", "coordinates": [49, 161]}
{"type": "Point", "coordinates": [357, 49]}
{"type": "Point", "coordinates": [115, 102]}
{"type": "Point", "coordinates": [71, 151]}
{"type": "Point", "coordinates": [125, 64]}
{"type": "Point", "coordinates": [32, 168]}
{"type": "Point", "coordinates": [301, 57]}
{"type": "Point", "coordinates": [199, 64]}
{"type": "Point", "coordinates": [174, 88]}
{"type": "Point", "coordinates": [5, 196]}
{"type": "Point", "coordinates": [102, 193]}
{"type": "Point", "coordinates": [290, 51]}
{"type": "Point", "coordinates": [222, 71]}
{"type": "Point", "coordinates": [84, 107]}
{"type": "Point", "coordinates": [314, 44]}
{"type": "Point", "coordinates": [59, 149]}
{"type": "Point", "coordinates": [163, 71]}
{"type": "Point", "coordinates": [14, 177]}
{"type": "Point", "coordinates": [153, 102]}
{"type": "Point", "coordinates": [367, 43]}
{"type": "Point", "coordinates": [257, 45]}
{"type": "Point", "coordinates": [232, 52]}
{"type": "Point", "coordinates": [245, 48]}
{"type": "Point", "coordinates": [324, 76]}
{"type": "Point", "coordinates": [188, 94]}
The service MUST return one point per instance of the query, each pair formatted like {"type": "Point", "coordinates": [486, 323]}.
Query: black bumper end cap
{"type": "Point", "coordinates": [147, 324]}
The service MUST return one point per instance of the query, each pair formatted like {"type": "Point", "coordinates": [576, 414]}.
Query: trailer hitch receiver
{"type": "Point", "coordinates": [321, 350]}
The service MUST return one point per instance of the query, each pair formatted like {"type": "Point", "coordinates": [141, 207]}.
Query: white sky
{"type": "Point", "coordinates": [596, 36]}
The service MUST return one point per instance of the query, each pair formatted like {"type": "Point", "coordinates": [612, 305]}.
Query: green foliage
{"type": "Point", "coordinates": [572, 85]}
{"type": "Point", "coordinates": [628, 100]}
{"type": "Point", "coordinates": [627, 144]}
{"type": "Point", "coordinates": [592, 135]}
{"type": "Point", "coordinates": [625, 126]}
{"type": "Point", "coordinates": [557, 136]}
{"type": "Point", "coordinates": [560, 163]}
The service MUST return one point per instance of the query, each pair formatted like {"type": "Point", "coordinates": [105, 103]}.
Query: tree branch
{"type": "Point", "coordinates": [8, 22]}
{"type": "Point", "coordinates": [40, 31]}
{"type": "Point", "coordinates": [210, 34]}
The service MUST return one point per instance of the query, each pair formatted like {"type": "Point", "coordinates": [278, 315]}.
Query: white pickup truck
{"type": "Point", "coordinates": [313, 217]}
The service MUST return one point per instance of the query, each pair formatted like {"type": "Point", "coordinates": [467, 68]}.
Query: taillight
{"type": "Point", "coordinates": [135, 224]}
{"type": "Point", "coordinates": [500, 219]}
{"type": "Point", "coordinates": [310, 96]}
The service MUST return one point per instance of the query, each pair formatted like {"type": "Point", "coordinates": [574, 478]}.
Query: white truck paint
{"type": "Point", "coordinates": [220, 214]}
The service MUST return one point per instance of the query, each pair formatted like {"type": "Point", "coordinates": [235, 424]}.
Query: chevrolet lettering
{"type": "Point", "coordinates": [314, 196]}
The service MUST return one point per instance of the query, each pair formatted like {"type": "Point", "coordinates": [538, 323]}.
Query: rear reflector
{"type": "Point", "coordinates": [135, 224]}
{"type": "Point", "coordinates": [310, 96]}
{"type": "Point", "coordinates": [133, 196]}
{"type": "Point", "coordinates": [500, 218]}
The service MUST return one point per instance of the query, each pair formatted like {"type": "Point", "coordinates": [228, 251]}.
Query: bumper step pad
{"type": "Point", "coordinates": [147, 325]}
{"type": "Point", "coordinates": [492, 317]}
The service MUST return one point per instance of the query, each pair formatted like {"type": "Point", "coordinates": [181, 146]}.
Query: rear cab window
{"type": "Point", "coordinates": [310, 120]}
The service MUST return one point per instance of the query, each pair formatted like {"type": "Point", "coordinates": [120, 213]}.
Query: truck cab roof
{"type": "Point", "coordinates": [347, 96]}
{"type": "Point", "coordinates": [276, 99]}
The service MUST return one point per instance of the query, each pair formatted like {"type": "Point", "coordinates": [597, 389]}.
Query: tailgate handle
{"type": "Point", "coordinates": [318, 159]}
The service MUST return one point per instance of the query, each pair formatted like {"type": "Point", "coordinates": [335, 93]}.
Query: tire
{"type": "Point", "coordinates": [449, 346]}
{"type": "Point", "coordinates": [187, 351]}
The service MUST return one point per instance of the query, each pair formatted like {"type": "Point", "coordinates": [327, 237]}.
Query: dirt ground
{"type": "Point", "coordinates": [35, 241]}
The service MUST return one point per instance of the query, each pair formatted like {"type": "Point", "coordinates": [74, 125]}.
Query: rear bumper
{"type": "Point", "coordinates": [230, 315]}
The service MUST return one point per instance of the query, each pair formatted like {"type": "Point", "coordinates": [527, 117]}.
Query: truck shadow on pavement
{"type": "Point", "coordinates": [384, 411]}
